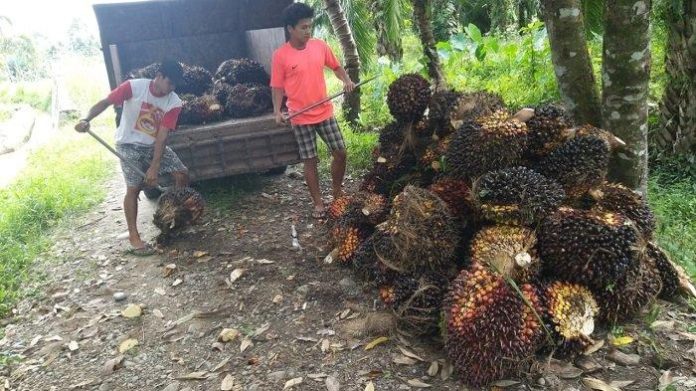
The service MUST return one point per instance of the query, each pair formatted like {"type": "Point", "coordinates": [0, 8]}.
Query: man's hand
{"type": "Point", "coordinates": [82, 126]}
{"type": "Point", "coordinates": [280, 118]}
{"type": "Point", "coordinates": [348, 86]}
{"type": "Point", "coordinates": [151, 176]}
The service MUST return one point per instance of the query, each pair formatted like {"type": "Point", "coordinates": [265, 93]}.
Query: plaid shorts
{"type": "Point", "coordinates": [141, 156]}
{"type": "Point", "coordinates": [306, 136]}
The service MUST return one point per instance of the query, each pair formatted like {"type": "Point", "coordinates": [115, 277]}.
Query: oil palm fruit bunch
{"type": "Point", "coordinates": [391, 137]}
{"type": "Point", "coordinates": [374, 207]}
{"type": "Point", "coordinates": [589, 248]}
{"type": "Point", "coordinates": [408, 97]}
{"type": "Point", "coordinates": [609, 138]}
{"type": "Point", "coordinates": [578, 164]}
{"type": "Point", "coordinates": [489, 143]}
{"type": "Point", "coordinates": [516, 195]}
{"type": "Point", "coordinates": [507, 250]}
{"type": "Point", "coordinates": [418, 304]}
{"type": "Point", "coordinates": [669, 275]}
{"type": "Point", "coordinates": [371, 258]}
{"type": "Point", "coordinates": [197, 110]}
{"type": "Point", "coordinates": [489, 328]}
{"type": "Point", "coordinates": [177, 209]}
{"type": "Point", "coordinates": [197, 80]}
{"type": "Point", "coordinates": [456, 193]}
{"type": "Point", "coordinates": [147, 72]}
{"type": "Point", "coordinates": [613, 197]}
{"type": "Point", "coordinates": [388, 174]}
{"type": "Point", "coordinates": [339, 207]}
{"type": "Point", "coordinates": [248, 100]}
{"type": "Point", "coordinates": [626, 296]}
{"type": "Point", "coordinates": [241, 70]}
{"type": "Point", "coordinates": [423, 231]}
{"type": "Point", "coordinates": [546, 129]}
{"type": "Point", "coordinates": [449, 110]}
{"type": "Point", "coordinates": [569, 311]}
{"type": "Point", "coordinates": [347, 234]}
{"type": "Point", "coordinates": [221, 91]}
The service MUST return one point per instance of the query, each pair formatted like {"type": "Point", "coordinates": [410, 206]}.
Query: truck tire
{"type": "Point", "coordinates": [276, 171]}
{"type": "Point", "coordinates": [152, 193]}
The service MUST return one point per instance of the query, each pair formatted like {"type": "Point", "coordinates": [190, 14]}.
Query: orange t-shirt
{"type": "Point", "coordinates": [301, 74]}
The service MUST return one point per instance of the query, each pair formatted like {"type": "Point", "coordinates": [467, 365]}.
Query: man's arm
{"type": "Point", "coordinates": [277, 102]}
{"type": "Point", "coordinates": [342, 75]}
{"type": "Point", "coordinates": [153, 170]}
{"type": "Point", "coordinates": [97, 109]}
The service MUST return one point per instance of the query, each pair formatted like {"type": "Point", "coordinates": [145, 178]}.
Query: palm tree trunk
{"type": "Point", "coordinates": [571, 60]}
{"type": "Point", "coordinates": [422, 12]}
{"type": "Point", "coordinates": [678, 104]}
{"type": "Point", "coordinates": [351, 103]}
{"type": "Point", "coordinates": [625, 79]}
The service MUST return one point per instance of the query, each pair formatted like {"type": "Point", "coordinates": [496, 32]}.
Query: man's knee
{"type": "Point", "coordinates": [132, 192]}
{"type": "Point", "coordinates": [339, 154]}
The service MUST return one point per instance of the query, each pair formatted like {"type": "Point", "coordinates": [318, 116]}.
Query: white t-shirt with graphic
{"type": "Point", "coordinates": [144, 113]}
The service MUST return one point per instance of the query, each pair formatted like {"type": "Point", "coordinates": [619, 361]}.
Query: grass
{"type": "Point", "coordinates": [36, 94]}
{"type": "Point", "coordinates": [60, 181]}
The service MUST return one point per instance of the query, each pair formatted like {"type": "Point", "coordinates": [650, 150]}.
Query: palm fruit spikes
{"type": "Point", "coordinates": [570, 311]}
{"type": "Point", "coordinates": [241, 70]}
{"type": "Point", "coordinates": [248, 100]}
{"type": "Point", "coordinates": [490, 327]}
{"type": "Point", "coordinates": [408, 97]}
{"type": "Point", "coordinates": [546, 129]}
{"type": "Point", "coordinates": [422, 231]}
{"type": "Point", "coordinates": [594, 249]}
{"type": "Point", "coordinates": [508, 251]}
{"type": "Point", "coordinates": [516, 195]}
{"type": "Point", "coordinates": [579, 164]}
{"type": "Point", "coordinates": [668, 274]}
{"type": "Point", "coordinates": [613, 197]}
{"type": "Point", "coordinates": [177, 209]}
{"type": "Point", "coordinates": [626, 296]}
{"type": "Point", "coordinates": [489, 143]}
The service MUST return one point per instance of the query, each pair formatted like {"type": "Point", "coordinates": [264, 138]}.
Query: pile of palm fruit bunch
{"type": "Point", "coordinates": [238, 89]}
{"type": "Point", "coordinates": [241, 85]}
{"type": "Point", "coordinates": [498, 231]}
{"type": "Point", "coordinates": [177, 209]}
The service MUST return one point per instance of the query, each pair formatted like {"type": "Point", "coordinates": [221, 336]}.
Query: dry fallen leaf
{"type": "Point", "coordinates": [665, 381]}
{"type": "Point", "coordinates": [447, 370]}
{"type": "Point", "coordinates": [404, 360]}
{"type": "Point", "coordinates": [332, 384]}
{"type": "Point", "coordinates": [199, 375]}
{"type": "Point", "coordinates": [325, 345]}
{"type": "Point", "coordinates": [73, 346]}
{"type": "Point", "coordinates": [621, 383]}
{"type": "Point", "coordinates": [158, 313]}
{"type": "Point", "coordinates": [227, 383]}
{"type": "Point", "coordinates": [292, 383]}
{"type": "Point", "coordinates": [264, 261]}
{"type": "Point", "coordinates": [375, 342]}
{"type": "Point", "coordinates": [220, 365]}
{"type": "Point", "coordinates": [177, 282]}
{"type": "Point", "coordinates": [418, 384]}
{"type": "Point", "coordinates": [127, 345]}
{"type": "Point", "coordinates": [198, 254]}
{"type": "Point", "coordinates": [236, 273]}
{"type": "Point", "coordinates": [370, 386]}
{"type": "Point", "coordinates": [505, 383]}
{"type": "Point", "coordinates": [597, 384]}
{"type": "Point", "coordinates": [662, 325]}
{"type": "Point", "coordinates": [132, 311]}
{"type": "Point", "coordinates": [169, 270]}
{"type": "Point", "coordinates": [433, 369]}
{"type": "Point", "coordinates": [622, 358]}
{"type": "Point", "coordinates": [277, 299]}
{"type": "Point", "coordinates": [622, 341]}
{"type": "Point", "coordinates": [227, 335]}
{"type": "Point", "coordinates": [594, 347]}
{"type": "Point", "coordinates": [246, 343]}
{"type": "Point", "coordinates": [409, 353]}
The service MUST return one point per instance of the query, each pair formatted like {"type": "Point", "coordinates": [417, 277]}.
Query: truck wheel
{"type": "Point", "coordinates": [276, 170]}
{"type": "Point", "coordinates": [152, 193]}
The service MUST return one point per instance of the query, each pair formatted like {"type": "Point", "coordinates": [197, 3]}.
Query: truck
{"type": "Point", "coordinates": [205, 33]}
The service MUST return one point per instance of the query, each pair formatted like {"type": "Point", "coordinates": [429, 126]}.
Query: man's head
{"type": "Point", "coordinates": [169, 76]}
{"type": "Point", "coordinates": [298, 22]}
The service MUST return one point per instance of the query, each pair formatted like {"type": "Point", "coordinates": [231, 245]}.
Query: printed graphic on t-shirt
{"type": "Point", "coordinates": [149, 119]}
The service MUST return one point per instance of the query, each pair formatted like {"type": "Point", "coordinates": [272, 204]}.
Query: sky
{"type": "Point", "coordinates": [50, 18]}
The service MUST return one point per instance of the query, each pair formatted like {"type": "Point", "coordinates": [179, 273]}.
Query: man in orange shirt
{"type": "Point", "coordinates": [298, 73]}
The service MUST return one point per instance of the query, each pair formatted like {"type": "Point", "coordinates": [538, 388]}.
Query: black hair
{"type": "Point", "coordinates": [173, 71]}
{"type": "Point", "coordinates": [295, 12]}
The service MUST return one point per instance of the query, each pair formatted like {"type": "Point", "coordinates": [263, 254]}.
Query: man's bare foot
{"type": "Point", "coordinates": [318, 212]}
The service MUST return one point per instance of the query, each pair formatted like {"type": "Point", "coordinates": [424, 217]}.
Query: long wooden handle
{"type": "Point", "coordinates": [328, 98]}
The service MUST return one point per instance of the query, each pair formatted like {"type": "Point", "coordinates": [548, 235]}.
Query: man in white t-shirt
{"type": "Point", "coordinates": [150, 111]}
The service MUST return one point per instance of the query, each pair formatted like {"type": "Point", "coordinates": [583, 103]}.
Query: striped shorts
{"type": "Point", "coordinates": [306, 136]}
{"type": "Point", "coordinates": [141, 156]}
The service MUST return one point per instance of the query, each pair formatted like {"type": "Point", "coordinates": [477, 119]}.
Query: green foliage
{"type": "Point", "coordinates": [80, 40]}
{"type": "Point", "coordinates": [61, 180]}
{"type": "Point", "coordinates": [36, 94]}
{"type": "Point", "coordinates": [20, 59]}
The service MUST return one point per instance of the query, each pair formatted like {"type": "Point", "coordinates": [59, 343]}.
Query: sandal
{"type": "Point", "coordinates": [144, 251]}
